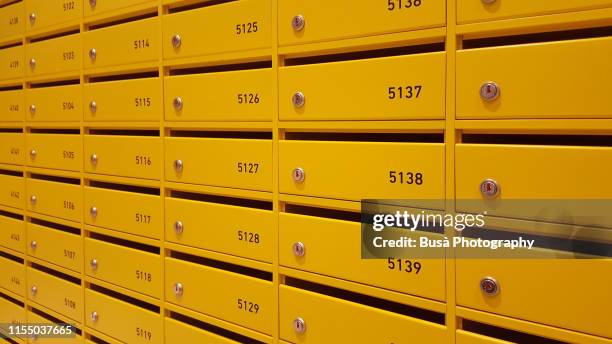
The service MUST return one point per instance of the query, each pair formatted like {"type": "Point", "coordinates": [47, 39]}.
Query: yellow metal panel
{"type": "Point", "coordinates": [35, 318]}
{"type": "Point", "coordinates": [244, 95]}
{"type": "Point", "coordinates": [359, 170]}
{"type": "Point", "coordinates": [102, 6]}
{"type": "Point", "coordinates": [238, 163]}
{"type": "Point", "coordinates": [12, 146]}
{"type": "Point", "coordinates": [55, 199]}
{"type": "Point", "coordinates": [126, 100]}
{"type": "Point", "coordinates": [555, 296]}
{"type": "Point", "coordinates": [129, 156]}
{"type": "Point", "coordinates": [132, 42]}
{"type": "Point", "coordinates": [12, 233]}
{"type": "Point", "coordinates": [240, 299]}
{"type": "Point", "coordinates": [61, 103]}
{"type": "Point", "coordinates": [325, 20]}
{"type": "Point", "coordinates": [55, 246]}
{"type": "Point", "coordinates": [321, 237]}
{"type": "Point", "coordinates": [57, 151]}
{"type": "Point", "coordinates": [476, 11]}
{"type": "Point", "coordinates": [11, 62]}
{"type": "Point", "coordinates": [55, 293]}
{"type": "Point", "coordinates": [54, 55]}
{"type": "Point", "coordinates": [464, 337]}
{"type": "Point", "coordinates": [13, 276]}
{"type": "Point", "coordinates": [239, 231]}
{"type": "Point", "coordinates": [545, 80]}
{"type": "Point", "coordinates": [44, 13]}
{"type": "Point", "coordinates": [227, 27]}
{"type": "Point", "coordinates": [334, 320]}
{"type": "Point", "coordinates": [11, 313]}
{"type": "Point", "coordinates": [178, 332]}
{"type": "Point", "coordinates": [12, 19]}
{"type": "Point", "coordinates": [129, 212]}
{"type": "Point", "coordinates": [372, 89]}
{"type": "Point", "coordinates": [121, 320]}
{"type": "Point", "coordinates": [124, 266]}
{"type": "Point", "coordinates": [11, 106]}
{"type": "Point", "coordinates": [12, 191]}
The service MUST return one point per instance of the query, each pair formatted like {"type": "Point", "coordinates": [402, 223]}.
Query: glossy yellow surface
{"type": "Point", "coordinates": [12, 233]}
{"type": "Point", "coordinates": [11, 105]}
{"type": "Point", "coordinates": [12, 62]}
{"type": "Point", "coordinates": [11, 313]}
{"type": "Point", "coordinates": [13, 276]}
{"type": "Point", "coordinates": [55, 246]}
{"type": "Point", "coordinates": [50, 12]}
{"type": "Point", "coordinates": [178, 332]}
{"type": "Point", "coordinates": [60, 103]}
{"type": "Point", "coordinates": [55, 293]}
{"type": "Point", "coordinates": [56, 55]}
{"type": "Point", "coordinates": [35, 318]}
{"type": "Point", "coordinates": [239, 231]}
{"type": "Point", "coordinates": [12, 147]}
{"type": "Point", "coordinates": [244, 164]}
{"type": "Point", "coordinates": [12, 191]}
{"type": "Point", "coordinates": [12, 19]}
{"type": "Point", "coordinates": [104, 6]}
{"type": "Point", "coordinates": [125, 100]}
{"type": "Point", "coordinates": [57, 151]}
{"type": "Point", "coordinates": [57, 199]}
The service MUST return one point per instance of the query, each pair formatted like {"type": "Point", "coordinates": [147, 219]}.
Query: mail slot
{"type": "Point", "coordinates": [11, 103]}
{"type": "Point", "coordinates": [124, 266]}
{"type": "Point", "coordinates": [132, 42]}
{"type": "Point", "coordinates": [12, 147]}
{"type": "Point", "coordinates": [11, 62]}
{"type": "Point", "coordinates": [34, 318]}
{"type": "Point", "coordinates": [12, 19]}
{"type": "Point", "coordinates": [360, 170]}
{"type": "Point", "coordinates": [227, 27]}
{"type": "Point", "coordinates": [178, 332]}
{"type": "Point", "coordinates": [129, 212]}
{"type": "Point", "coordinates": [317, 237]}
{"type": "Point", "coordinates": [465, 337]}
{"type": "Point", "coordinates": [103, 6]}
{"type": "Point", "coordinates": [130, 156]}
{"type": "Point", "coordinates": [58, 294]}
{"type": "Point", "coordinates": [55, 246]}
{"type": "Point", "coordinates": [237, 298]}
{"type": "Point", "coordinates": [245, 163]}
{"type": "Point", "coordinates": [12, 233]}
{"type": "Point", "coordinates": [12, 191]}
{"type": "Point", "coordinates": [556, 294]}
{"type": "Point", "coordinates": [57, 151]}
{"type": "Point", "coordinates": [60, 103]}
{"type": "Point", "coordinates": [337, 90]}
{"type": "Point", "coordinates": [324, 319]}
{"type": "Point", "coordinates": [56, 55]}
{"type": "Point", "coordinates": [13, 276]}
{"type": "Point", "coordinates": [119, 319]}
{"type": "Point", "coordinates": [240, 231]}
{"type": "Point", "coordinates": [477, 11]}
{"type": "Point", "coordinates": [125, 100]}
{"type": "Point", "coordinates": [536, 81]}
{"type": "Point", "coordinates": [44, 13]}
{"type": "Point", "coordinates": [244, 95]}
{"type": "Point", "coordinates": [315, 21]}
{"type": "Point", "coordinates": [57, 199]}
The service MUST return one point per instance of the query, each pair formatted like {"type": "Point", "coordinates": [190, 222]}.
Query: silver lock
{"type": "Point", "coordinates": [32, 18]}
{"type": "Point", "coordinates": [298, 22]}
{"type": "Point", "coordinates": [298, 175]}
{"type": "Point", "coordinates": [176, 41]}
{"type": "Point", "coordinates": [299, 325]}
{"type": "Point", "coordinates": [489, 91]}
{"type": "Point", "coordinates": [93, 54]}
{"type": "Point", "coordinates": [93, 211]}
{"type": "Point", "coordinates": [489, 286]}
{"type": "Point", "coordinates": [33, 244]}
{"type": "Point", "coordinates": [298, 99]}
{"type": "Point", "coordinates": [94, 316]}
{"type": "Point", "coordinates": [489, 188]}
{"type": "Point", "coordinates": [34, 290]}
{"type": "Point", "coordinates": [94, 159]}
{"type": "Point", "coordinates": [33, 109]}
{"type": "Point", "coordinates": [177, 103]}
{"type": "Point", "coordinates": [299, 249]}
{"type": "Point", "coordinates": [178, 227]}
{"type": "Point", "coordinates": [94, 264]}
{"type": "Point", "coordinates": [178, 289]}
{"type": "Point", "coordinates": [33, 154]}
{"type": "Point", "coordinates": [32, 63]}
{"type": "Point", "coordinates": [92, 3]}
{"type": "Point", "coordinates": [33, 199]}
{"type": "Point", "coordinates": [178, 165]}
{"type": "Point", "coordinates": [488, 1]}
{"type": "Point", "coordinates": [93, 106]}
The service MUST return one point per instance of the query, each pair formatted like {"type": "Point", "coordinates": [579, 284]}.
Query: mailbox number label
{"type": "Point", "coordinates": [141, 44]}
{"type": "Point", "coordinates": [143, 218]}
{"type": "Point", "coordinates": [410, 178]}
{"type": "Point", "coordinates": [399, 4]}
{"type": "Point", "coordinates": [142, 101]}
{"type": "Point", "coordinates": [250, 168]}
{"type": "Point", "coordinates": [14, 107]}
{"type": "Point", "coordinates": [13, 20]}
{"type": "Point", "coordinates": [68, 55]}
{"type": "Point", "coordinates": [243, 29]}
{"type": "Point", "coordinates": [69, 5]}
{"type": "Point", "coordinates": [248, 98]}
{"type": "Point", "coordinates": [404, 92]}
{"type": "Point", "coordinates": [14, 64]}
{"type": "Point", "coordinates": [142, 333]}
{"type": "Point", "coordinates": [69, 254]}
{"type": "Point", "coordinates": [144, 276]}
{"type": "Point", "coordinates": [405, 265]}
{"type": "Point", "coordinates": [69, 303]}
{"type": "Point", "coordinates": [143, 160]}
{"type": "Point", "coordinates": [248, 306]}
{"type": "Point", "coordinates": [248, 237]}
